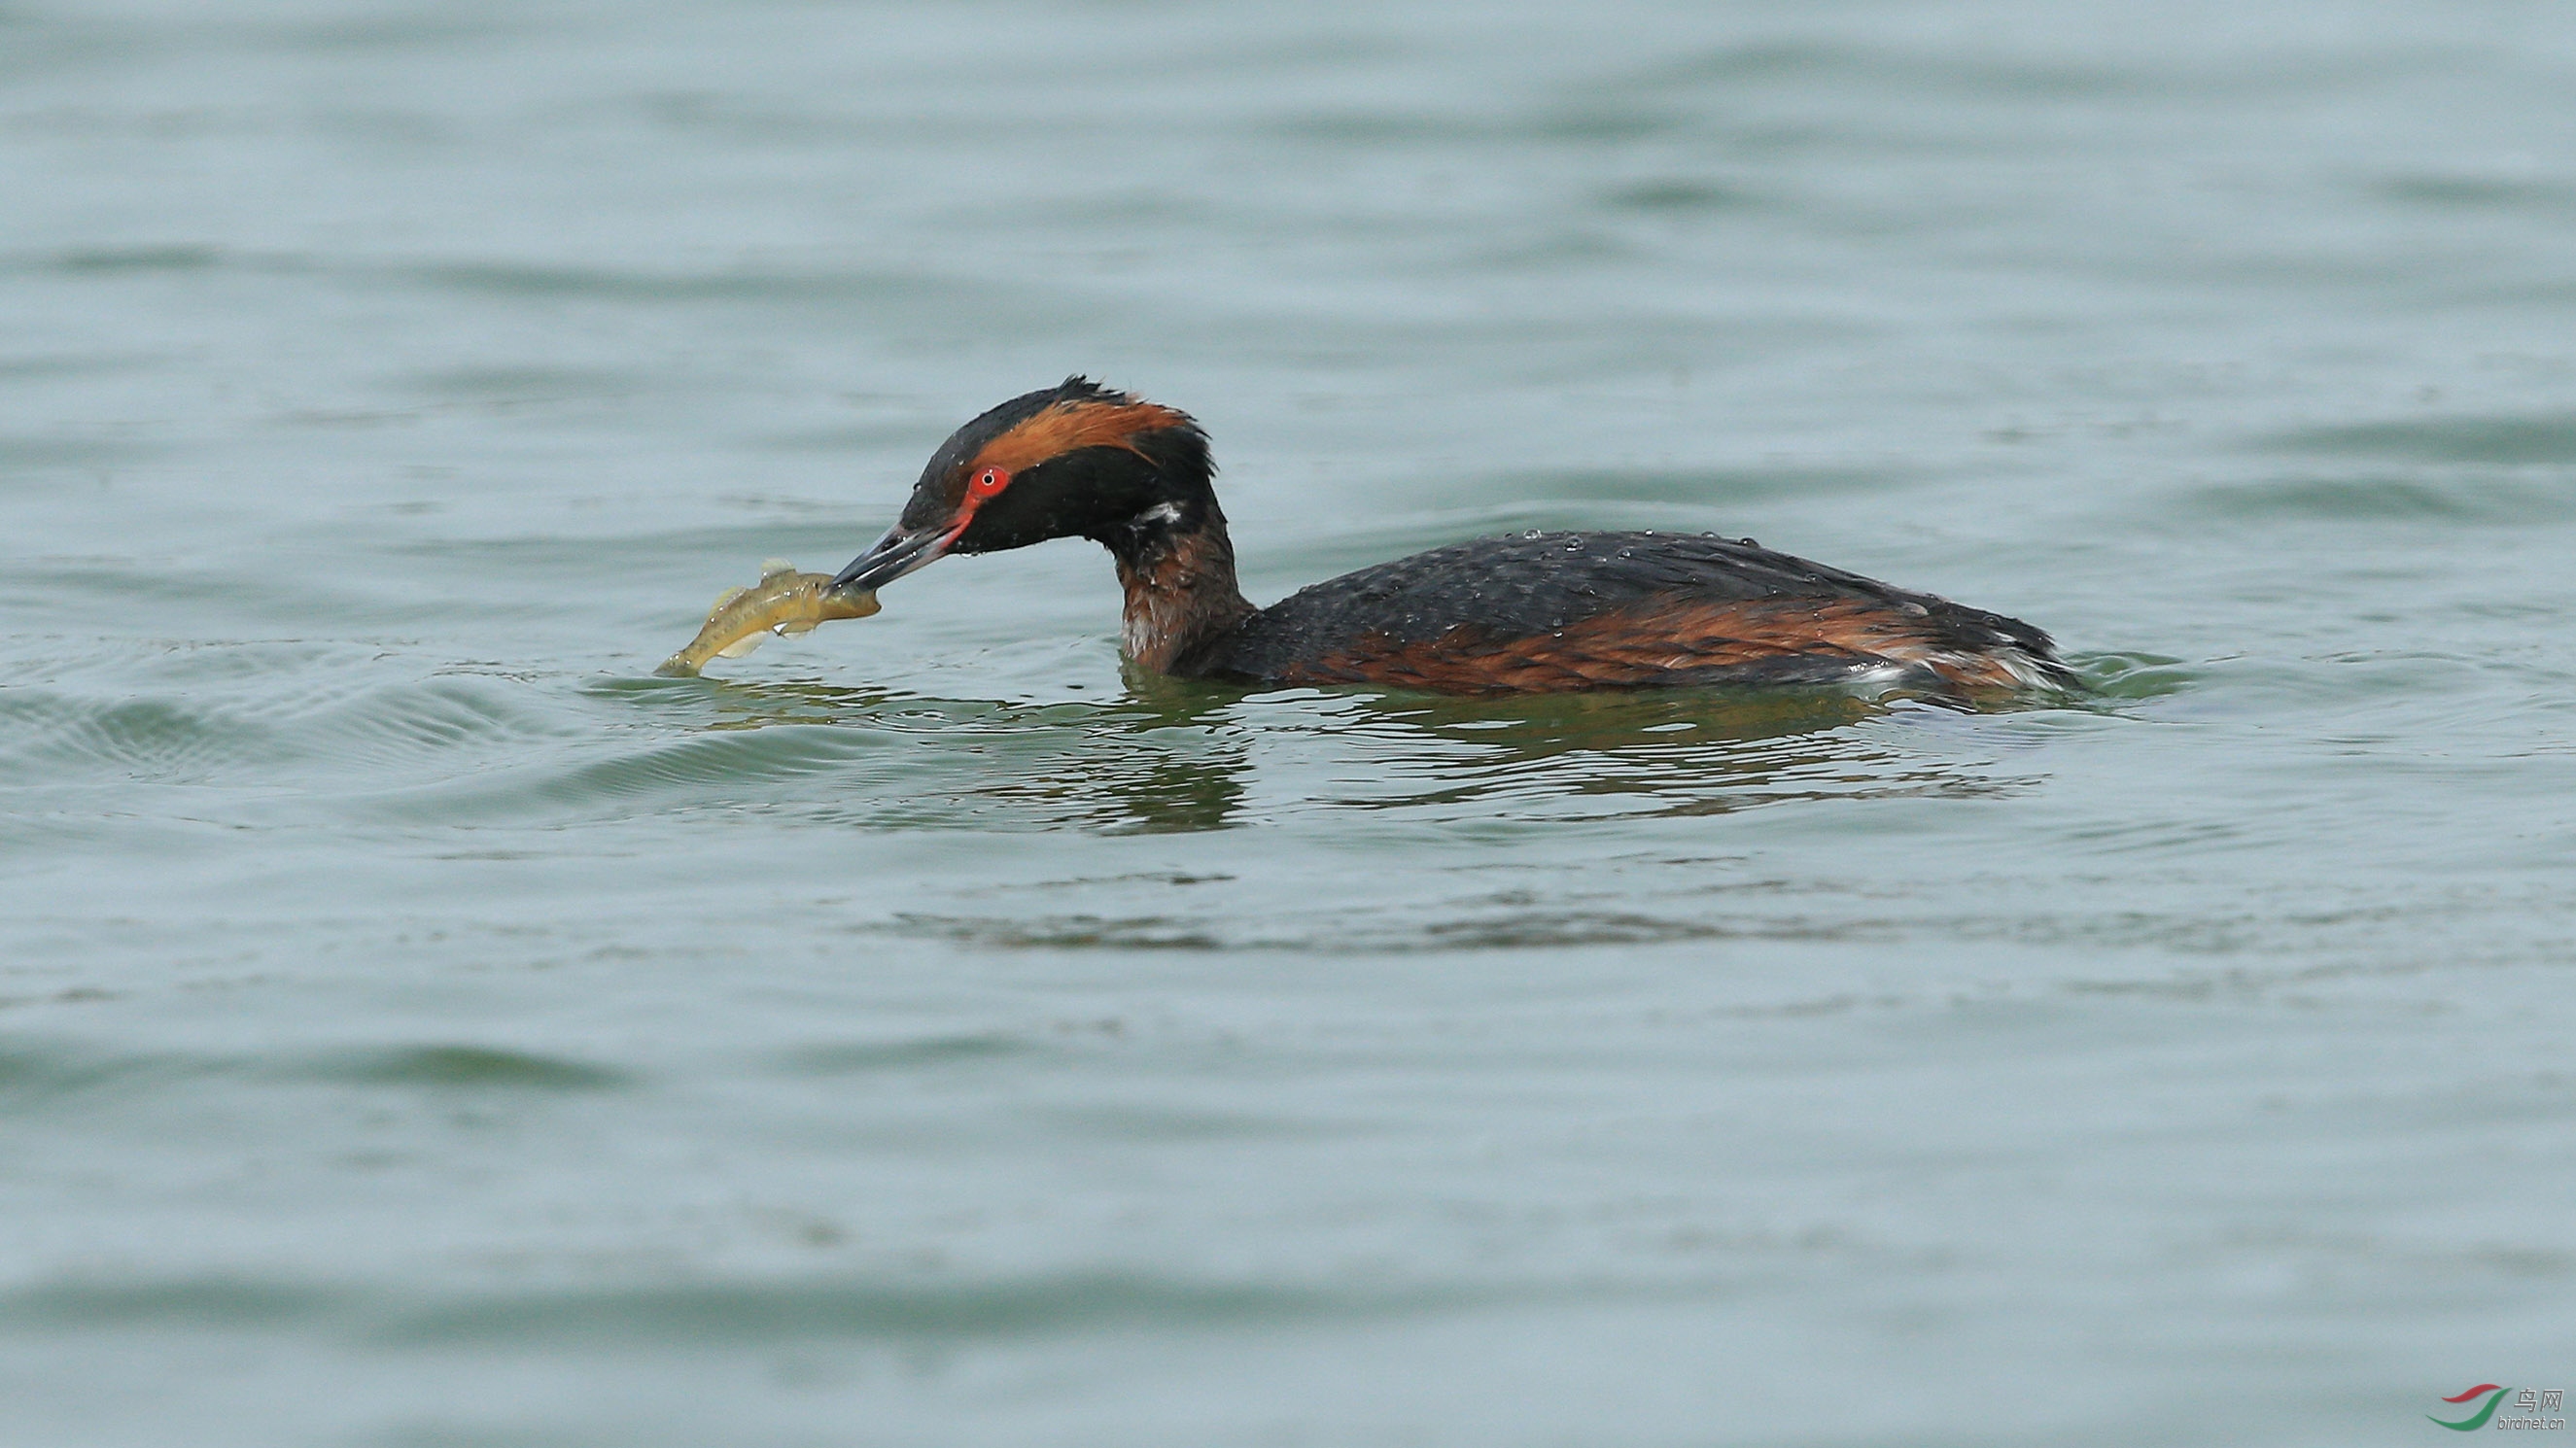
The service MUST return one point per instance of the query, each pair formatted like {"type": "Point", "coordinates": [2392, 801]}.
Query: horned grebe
{"type": "Point", "coordinates": [1533, 613]}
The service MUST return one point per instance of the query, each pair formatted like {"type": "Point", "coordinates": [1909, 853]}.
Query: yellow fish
{"type": "Point", "coordinates": [784, 601]}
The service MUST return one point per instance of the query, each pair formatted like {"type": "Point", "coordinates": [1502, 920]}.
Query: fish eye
{"type": "Point", "coordinates": [990, 481]}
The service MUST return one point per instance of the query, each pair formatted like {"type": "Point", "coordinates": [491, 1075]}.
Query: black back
{"type": "Point", "coordinates": [1537, 583]}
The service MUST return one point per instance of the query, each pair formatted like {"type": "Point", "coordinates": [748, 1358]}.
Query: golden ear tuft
{"type": "Point", "coordinates": [1072, 426]}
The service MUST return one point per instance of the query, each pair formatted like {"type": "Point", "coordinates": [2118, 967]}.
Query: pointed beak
{"type": "Point", "coordinates": [897, 553]}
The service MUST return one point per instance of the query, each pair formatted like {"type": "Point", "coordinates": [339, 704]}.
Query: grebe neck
{"type": "Point", "coordinates": [1177, 564]}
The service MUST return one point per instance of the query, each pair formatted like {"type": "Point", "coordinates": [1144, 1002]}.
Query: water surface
{"type": "Point", "coordinates": [420, 1026]}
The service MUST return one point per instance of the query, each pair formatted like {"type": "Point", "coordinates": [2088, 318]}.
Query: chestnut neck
{"type": "Point", "coordinates": [1177, 565]}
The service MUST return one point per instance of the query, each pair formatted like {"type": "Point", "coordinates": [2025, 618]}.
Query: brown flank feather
{"type": "Point", "coordinates": [1649, 645]}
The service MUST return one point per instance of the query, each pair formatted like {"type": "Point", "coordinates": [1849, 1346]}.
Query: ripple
{"type": "Point", "coordinates": [1069, 932]}
{"type": "Point", "coordinates": [2531, 438]}
{"type": "Point", "coordinates": [864, 1057]}
{"type": "Point", "coordinates": [436, 720]}
{"type": "Point", "coordinates": [334, 719]}
{"type": "Point", "coordinates": [1072, 1303]}
{"type": "Point", "coordinates": [518, 384]}
{"type": "Point", "coordinates": [1681, 197]}
{"type": "Point", "coordinates": [710, 1314]}
{"type": "Point", "coordinates": [222, 1302]}
{"type": "Point", "coordinates": [2410, 500]}
{"type": "Point", "coordinates": [171, 257]}
{"type": "Point", "coordinates": [2114, 678]}
{"type": "Point", "coordinates": [82, 590]}
{"type": "Point", "coordinates": [37, 1073]}
{"type": "Point", "coordinates": [34, 1073]}
{"type": "Point", "coordinates": [1592, 488]}
{"type": "Point", "coordinates": [1374, 933]}
{"type": "Point", "coordinates": [2461, 192]}
{"type": "Point", "coordinates": [769, 753]}
{"type": "Point", "coordinates": [149, 739]}
{"type": "Point", "coordinates": [1552, 929]}
{"type": "Point", "coordinates": [35, 453]}
{"type": "Point", "coordinates": [783, 287]}
{"type": "Point", "coordinates": [477, 1068]}
{"type": "Point", "coordinates": [1916, 70]}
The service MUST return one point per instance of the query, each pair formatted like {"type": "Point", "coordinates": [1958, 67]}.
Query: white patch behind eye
{"type": "Point", "coordinates": [1160, 513]}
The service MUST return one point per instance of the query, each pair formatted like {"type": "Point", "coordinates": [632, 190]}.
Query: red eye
{"type": "Point", "coordinates": [990, 481]}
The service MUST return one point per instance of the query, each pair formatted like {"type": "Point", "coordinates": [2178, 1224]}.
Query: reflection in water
{"type": "Point", "coordinates": [1125, 766]}
{"type": "Point", "coordinates": [1179, 795]}
{"type": "Point", "coordinates": [1184, 756]}
{"type": "Point", "coordinates": [1647, 753]}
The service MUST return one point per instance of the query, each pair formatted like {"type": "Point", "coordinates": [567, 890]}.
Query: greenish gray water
{"type": "Point", "coordinates": [418, 1026]}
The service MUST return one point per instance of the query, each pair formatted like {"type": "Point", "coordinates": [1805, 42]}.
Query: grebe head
{"type": "Point", "coordinates": [1072, 461]}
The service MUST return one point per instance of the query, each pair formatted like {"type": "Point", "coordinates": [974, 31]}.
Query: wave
{"type": "Point", "coordinates": [720, 1313]}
